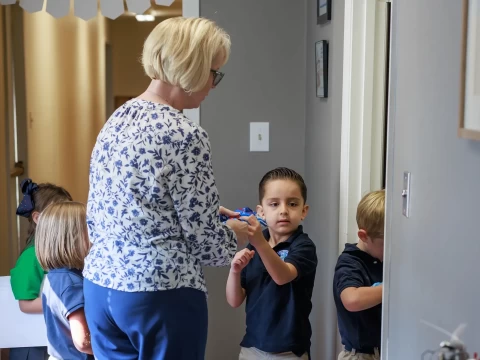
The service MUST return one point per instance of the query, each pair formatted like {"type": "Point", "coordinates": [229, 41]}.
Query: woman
{"type": "Point", "coordinates": [153, 207]}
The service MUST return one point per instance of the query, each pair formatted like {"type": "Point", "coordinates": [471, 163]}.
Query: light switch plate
{"type": "Point", "coordinates": [406, 194]}
{"type": "Point", "coordinates": [259, 136]}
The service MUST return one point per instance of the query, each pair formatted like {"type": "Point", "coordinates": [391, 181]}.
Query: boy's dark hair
{"type": "Point", "coordinates": [282, 173]}
{"type": "Point", "coordinates": [44, 196]}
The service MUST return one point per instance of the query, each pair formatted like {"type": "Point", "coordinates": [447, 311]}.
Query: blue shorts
{"type": "Point", "coordinates": [159, 325]}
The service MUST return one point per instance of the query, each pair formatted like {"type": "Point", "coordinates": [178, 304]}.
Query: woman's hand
{"type": "Point", "coordinates": [228, 212]}
{"type": "Point", "coordinates": [241, 230]}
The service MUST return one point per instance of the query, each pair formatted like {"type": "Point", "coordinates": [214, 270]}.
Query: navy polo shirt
{"type": "Point", "coordinates": [277, 316]}
{"type": "Point", "coordinates": [359, 330]}
{"type": "Point", "coordinates": [62, 295]}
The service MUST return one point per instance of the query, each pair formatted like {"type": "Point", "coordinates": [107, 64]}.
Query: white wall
{"type": "Point", "coordinates": [322, 173]}
{"type": "Point", "coordinates": [264, 81]}
{"type": "Point", "coordinates": [431, 257]}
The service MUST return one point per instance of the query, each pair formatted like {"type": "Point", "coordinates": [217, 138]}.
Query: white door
{"type": "Point", "coordinates": [431, 268]}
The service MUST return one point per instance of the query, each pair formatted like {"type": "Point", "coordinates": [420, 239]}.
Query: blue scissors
{"type": "Point", "coordinates": [246, 211]}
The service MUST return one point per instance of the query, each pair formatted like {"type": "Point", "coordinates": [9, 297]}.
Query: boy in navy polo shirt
{"type": "Point", "coordinates": [357, 287]}
{"type": "Point", "coordinates": [276, 272]}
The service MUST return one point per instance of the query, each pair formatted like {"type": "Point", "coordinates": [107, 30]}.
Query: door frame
{"type": "Point", "coordinates": [390, 181]}
{"type": "Point", "coordinates": [363, 109]}
{"type": "Point", "coordinates": [366, 139]}
{"type": "Point", "coordinates": [14, 123]}
{"type": "Point", "coordinates": [4, 149]}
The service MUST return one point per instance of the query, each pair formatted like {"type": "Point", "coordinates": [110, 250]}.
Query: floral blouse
{"type": "Point", "coordinates": [153, 205]}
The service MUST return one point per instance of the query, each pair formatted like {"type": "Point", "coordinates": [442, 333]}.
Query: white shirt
{"type": "Point", "coordinates": [153, 205]}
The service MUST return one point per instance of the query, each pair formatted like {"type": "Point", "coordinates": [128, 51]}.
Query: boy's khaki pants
{"type": "Point", "coordinates": [353, 355]}
{"type": "Point", "coordinates": [255, 354]}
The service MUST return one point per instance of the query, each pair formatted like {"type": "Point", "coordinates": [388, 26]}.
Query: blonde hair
{"type": "Point", "coordinates": [371, 214]}
{"type": "Point", "coordinates": [180, 51]}
{"type": "Point", "coordinates": [61, 239]}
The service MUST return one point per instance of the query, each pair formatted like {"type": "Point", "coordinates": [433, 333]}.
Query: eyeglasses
{"type": "Point", "coordinates": [217, 76]}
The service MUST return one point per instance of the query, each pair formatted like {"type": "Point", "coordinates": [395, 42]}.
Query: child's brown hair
{"type": "Point", "coordinates": [282, 173]}
{"type": "Point", "coordinates": [36, 197]}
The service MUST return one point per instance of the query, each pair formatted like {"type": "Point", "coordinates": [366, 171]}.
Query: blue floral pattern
{"type": "Point", "coordinates": [153, 205]}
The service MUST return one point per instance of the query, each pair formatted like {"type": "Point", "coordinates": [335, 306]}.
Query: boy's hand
{"type": "Point", "coordinates": [241, 259]}
{"type": "Point", "coordinates": [255, 233]}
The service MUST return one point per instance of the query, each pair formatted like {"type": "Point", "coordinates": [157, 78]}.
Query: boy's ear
{"type": "Point", "coordinates": [35, 216]}
{"type": "Point", "coordinates": [305, 211]}
{"type": "Point", "coordinates": [362, 235]}
{"type": "Point", "coordinates": [260, 211]}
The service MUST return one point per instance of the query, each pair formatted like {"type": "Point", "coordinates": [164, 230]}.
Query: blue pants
{"type": "Point", "coordinates": [28, 353]}
{"type": "Point", "coordinates": [160, 325]}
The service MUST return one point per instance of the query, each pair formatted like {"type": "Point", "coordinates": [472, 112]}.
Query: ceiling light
{"type": "Point", "coordinates": [145, 17]}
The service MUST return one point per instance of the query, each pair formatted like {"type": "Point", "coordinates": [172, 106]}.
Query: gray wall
{"type": "Point", "coordinates": [264, 81]}
{"type": "Point", "coordinates": [433, 265]}
{"type": "Point", "coordinates": [322, 169]}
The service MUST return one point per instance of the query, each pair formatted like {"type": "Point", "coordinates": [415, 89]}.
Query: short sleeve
{"type": "Point", "coordinates": [72, 299]}
{"type": "Point", "coordinates": [348, 274]}
{"type": "Point", "coordinates": [27, 276]}
{"type": "Point", "coordinates": [303, 255]}
{"type": "Point", "coordinates": [243, 277]}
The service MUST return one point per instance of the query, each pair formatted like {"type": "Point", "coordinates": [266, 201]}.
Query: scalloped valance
{"type": "Point", "coordinates": [87, 9]}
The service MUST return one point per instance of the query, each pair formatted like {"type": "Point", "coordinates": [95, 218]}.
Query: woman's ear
{"type": "Point", "coordinates": [35, 216]}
